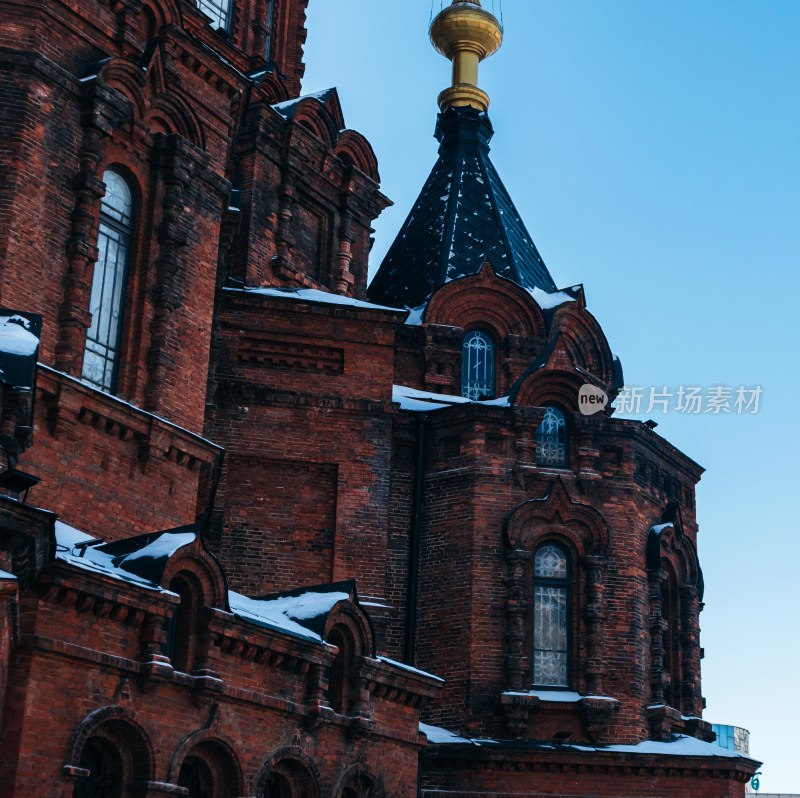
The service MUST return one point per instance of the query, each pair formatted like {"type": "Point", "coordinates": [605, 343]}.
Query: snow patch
{"type": "Point", "coordinates": [92, 558]}
{"type": "Point", "coordinates": [409, 668]}
{"type": "Point", "coordinates": [547, 301]}
{"type": "Point", "coordinates": [415, 315]}
{"type": "Point", "coordinates": [282, 613]}
{"type": "Point", "coordinates": [314, 295]}
{"type": "Point", "coordinates": [435, 734]}
{"type": "Point", "coordinates": [659, 528]}
{"type": "Point", "coordinates": [424, 401]}
{"type": "Point", "coordinates": [16, 337]}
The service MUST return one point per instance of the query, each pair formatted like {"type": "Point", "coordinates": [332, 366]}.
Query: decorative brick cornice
{"type": "Point", "coordinates": [70, 401]}
{"type": "Point", "coordinates": [390, 683]}
{"type": "Point", "coordinates": [548, 758]}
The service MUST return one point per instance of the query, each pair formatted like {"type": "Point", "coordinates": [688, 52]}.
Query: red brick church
{"type": "Point", "coordinates": [267, 530]}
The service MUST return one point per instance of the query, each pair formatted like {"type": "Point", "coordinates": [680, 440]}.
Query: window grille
{"type": "Point", "coordinates": [270, 18]}
{"type": "Point", "coordinates": [102, 761]}
{"type": "Point", "coordinates": [101, 354]}
{"type": "Point", "coordinates": [551, 590]}
{"type": "Point", "coordinates": [219, 12]}
{"type": "Point", "coordinates": [196, 776]}
{"type": "Point", "coordinates": [477, 366]}
{"type": "Point", "coordinates": [551, 439]}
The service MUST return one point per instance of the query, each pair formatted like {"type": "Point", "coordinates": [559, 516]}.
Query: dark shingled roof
{"type": "Point", "coordinates": [463, 216]}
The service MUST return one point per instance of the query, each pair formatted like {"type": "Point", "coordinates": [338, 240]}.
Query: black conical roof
{"type": "Point", "coordinates": [462, 217]}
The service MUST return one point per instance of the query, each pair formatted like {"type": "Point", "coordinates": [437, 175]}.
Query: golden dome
{"type": "Point", "coordinates": [466, 34]}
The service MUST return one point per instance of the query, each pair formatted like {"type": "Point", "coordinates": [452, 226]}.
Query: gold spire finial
{"type": "Point", "coordinates": [466, 34]}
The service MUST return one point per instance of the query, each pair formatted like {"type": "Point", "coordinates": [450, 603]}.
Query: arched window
{"type": "Point", "coordinates": [551, 439]}
{"type": "Point", "coordinates": [103, 761]}
{"type": "Point", "coordinates": [219, 12]}
{"type": "Point", "coordinates": [209, 770]}
{"type": "Point", "coordinates": [181, 627]}
{"type": "Point", "coordinates": [339, 679]}
{"type": "Point", "coordinates": [477, 366]}
{"type": "Point", "coordinates": [101, 354]}
{"type": "Point", "coordinates": [551, 600]}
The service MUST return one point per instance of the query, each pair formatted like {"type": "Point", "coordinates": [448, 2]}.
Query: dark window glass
{"type": "Point", "coordinates": [477, 366]}
{"type": "Point", "coordinates": [278, 786]}
{"type": "Point", "coordinates": [103, 762]}
{"type": "Point", "coordinates": [101, 355]}
{"type": "Point", "coordinates": [270, 37]}
{"type": "Point", "coordinates": [196, 776]}
{"type": "Point", "coordinates": [551, 439]}
{"type": "Point", "coordinates": [672, 640]}
{"type": "Point", "coordinates": [551, 590]}
{"type": "Point", "coordinates": [219, 11]}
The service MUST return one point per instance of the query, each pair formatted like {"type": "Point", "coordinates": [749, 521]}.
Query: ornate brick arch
{"type": "Point", "coordinates": [353, 148]}
{"type": "Point", "coordinates": [585, 340]}
{"type": "Point", "coordinates": [169, 113]}
{"type": "Point", "coordinates": [210, 744]}
{"type": "Point", "coordinates": [165, 12]}
{"type": "Point", "coordinates": [295, 762]}
{"type": "Point", "coordinates": [347, 613]}
{"type": "Point", "coordinates": [667, 541]}
{"type": "Point", "coordinates": [484, 299]}
{"type": "Point", "coordinates": [581, 524]}
{"type": "Point", "coordinates": [204, 567]}
{"type": "Point", "coordinates": [356, 772]}
{"type": "Point", "coordinates": [122, 726]}
{"type": "Point", "coordinates": [314, 115]}
{"type": "Point", "coordinates": [549, 385]}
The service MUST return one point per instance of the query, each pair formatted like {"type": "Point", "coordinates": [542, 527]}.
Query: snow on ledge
{"type": "Point", "coordinates": [560, 696]}
{"type": "Point", "coordinates": [16, 337]}
{"type": "Point", "coordinates": [313, 295]}
{"type": "Point", "coordinates": [680, 745]}
{"type": "Point", "coordinates": [659, 528]}
{"type": "Point", "coordinates": [548, 301]}
{"type": "Point", "coordinates": [92, 558]}
{"type": "Point", "coordinates": [425, 401]}
{"type": "Point", "coordinates": [284, 612]}
{"type": "Point", "coordinates": [409, 668]}
{"type": "Point", "coordinates": [441, 736]}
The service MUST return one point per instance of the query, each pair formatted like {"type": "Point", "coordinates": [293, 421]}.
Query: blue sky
{"type": "Point", "coordinates": [652, 149]}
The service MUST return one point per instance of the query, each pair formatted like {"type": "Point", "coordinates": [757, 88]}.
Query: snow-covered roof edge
{"type": "Point", "coordinates": [681, 745]}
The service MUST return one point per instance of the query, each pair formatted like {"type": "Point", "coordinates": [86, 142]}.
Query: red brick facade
{"type": "Point", "coordinates": [319, 524]}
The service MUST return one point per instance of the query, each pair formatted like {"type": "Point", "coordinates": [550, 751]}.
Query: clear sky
{"type": "Point", "coordinates": [653, 149]}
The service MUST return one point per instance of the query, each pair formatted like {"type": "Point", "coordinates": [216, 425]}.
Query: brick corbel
{"type": "Point", "coordinates": [597, 713]}
{"type": "Point", "coordinates": [518, 708]}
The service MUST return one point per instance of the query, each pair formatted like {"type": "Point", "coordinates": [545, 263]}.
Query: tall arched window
{"type": "Point", "coordinates": [219, 11]}
{"type": "Point", "coordinates": [551, 439]}
{"type": "Point", "coordinates": [101, 355]}
{"type": "Point", "coordinates": [551, 598]}
{"type": "Point", "coordinates": [477, 366]}
{"type": "Point", "coordinates": [181, 627]}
